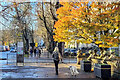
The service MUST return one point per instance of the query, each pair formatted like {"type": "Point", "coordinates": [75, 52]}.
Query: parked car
{"type": "Point", "coordinates": [2, 48]}
{"type": "Point", "coordinates": [7, 48]}
{"type": "Point", "coordinates": [13, 49]}
{"type": "Point", "coordinates": [66, 52]}
{"type": "Point", "coordinates": [73, 52]}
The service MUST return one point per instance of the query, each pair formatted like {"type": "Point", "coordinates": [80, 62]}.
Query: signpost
{"type": "Point", "coordinates": [20, 54]}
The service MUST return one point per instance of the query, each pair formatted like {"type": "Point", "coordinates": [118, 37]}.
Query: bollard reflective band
{"type": "Point", "coordinates": [102, 68]}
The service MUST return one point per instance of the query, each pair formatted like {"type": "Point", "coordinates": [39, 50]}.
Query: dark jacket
{"type": "Point", "coordinates": [55, 56]}
{"type": "Point", "coordinates": [34, 50]}
{"type": "Point", "coordinates": [39, 51]}
{"type": "Point", "coordinates": [31, 51]}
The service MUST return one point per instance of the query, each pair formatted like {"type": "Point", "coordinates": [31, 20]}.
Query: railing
{"type": "Point", "coordinates": [11, 58]}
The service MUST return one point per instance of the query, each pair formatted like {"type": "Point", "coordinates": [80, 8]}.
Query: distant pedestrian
{"type": "Point", "coordinates": [31, 52]}
{"type": "Point", "coordinates": [35, 52]}
{"type": "Point", "coordinates": [79, 56]}
{"type": "Point", "coordinates": [39, 53]}
{"type": "Point", "coordinates": [56, 59]}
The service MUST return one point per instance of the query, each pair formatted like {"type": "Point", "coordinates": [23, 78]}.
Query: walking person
{"type": "Point", "coordinates": [56, 59]}
{"type": "Point", "coordinates": [31, 52]}
{"type": "Point", "coordinates": [35, 52]}
{"type": "Point", "coordinates": [79, 56]}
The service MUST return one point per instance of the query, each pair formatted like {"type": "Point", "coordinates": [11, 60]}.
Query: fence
{"type": "Point", "coordinates": [11, 58]}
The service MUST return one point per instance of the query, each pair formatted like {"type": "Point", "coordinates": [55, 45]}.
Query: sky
{"type": "Point", "coordinates": [7, 22]}
{"type": "Point", "coordinates": [33, 10]}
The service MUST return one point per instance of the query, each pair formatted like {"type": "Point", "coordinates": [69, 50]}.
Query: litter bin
{"type": "Point", "coordinates": [20, 58]}
{"type": "Point", "coordinates": [85, 65]}
{"type": "Point", "coordinates": [102, 70]}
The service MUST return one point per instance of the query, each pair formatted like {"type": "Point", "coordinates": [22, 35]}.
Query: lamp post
{"type": "Point", "coordinates": [119, 49]}
{"type": "Point", "coordinates": [119, 56]}
{"type": "Point", "coordinates": [118, 66]}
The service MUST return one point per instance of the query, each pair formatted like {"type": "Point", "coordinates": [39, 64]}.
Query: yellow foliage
{"type": "Point", "coordinates": [78, 22]}
{"type": "Point", "coordinates": [98, 42]}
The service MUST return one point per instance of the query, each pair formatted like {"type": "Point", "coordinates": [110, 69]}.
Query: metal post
{"type": "Point", "coordinates": [48, 55]}
{"type": "Point", "coordinates": [69, 59]}
{"type": "Point", "coordinates": [119, 49]}
{"type": "Point", "coordinates": [23, 59]}
{"type": "Point", "coordinates": [16, 59]}
{"type": "Point", "coordinates": [119, 56]}
{"type": "Point", "coordinates": [7, 58]}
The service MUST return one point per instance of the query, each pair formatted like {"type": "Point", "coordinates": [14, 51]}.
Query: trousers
{"type": "Point", "coordinates": [56, 66]}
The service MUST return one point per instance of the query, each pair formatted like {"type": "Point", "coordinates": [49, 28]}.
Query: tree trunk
{"type": "Point", "coordinates": [61, 48]}
{"type": "Point", "coordinates": [51, 44]}
{"type": "Point", "coordinates": [77, 45]}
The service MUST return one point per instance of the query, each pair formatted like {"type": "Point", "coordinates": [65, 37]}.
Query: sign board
{"type": "Point", "coordinates": [20, 48]}
{"type": "Point", "coordinates": [20, 44]}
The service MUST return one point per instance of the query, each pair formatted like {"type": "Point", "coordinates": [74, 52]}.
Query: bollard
{"type": "Point", "coordinates": [102, 71]}
{"type": "Point", "coordinates": [69, 58]}
{"type": "Point", "coordinates": [7, 58]}
{"type": "Point", "coordinates": [16, 59]}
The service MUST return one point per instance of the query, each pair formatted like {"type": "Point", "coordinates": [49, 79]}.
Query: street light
{"type": "Point", "coordinates": [118, 56]}
{"type": "Point", "coordinates": [119, 47]}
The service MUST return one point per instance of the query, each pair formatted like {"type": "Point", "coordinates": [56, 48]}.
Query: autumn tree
{"type": "Point", "coordinates": [87, 22]}
{"type": "Point", "coordinates": [48, 17]}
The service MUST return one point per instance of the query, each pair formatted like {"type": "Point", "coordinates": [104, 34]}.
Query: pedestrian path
{"type": "Point", "coordinates": [42, 67]}
{"type": "Point", "coordinates": [45, 59]}
{"type": "Point", "coordinates": [42, 70]}
{"type": "Point", "coordinates": [38, 60]}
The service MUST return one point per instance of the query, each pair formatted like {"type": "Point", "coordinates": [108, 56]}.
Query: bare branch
{"type": "Point", "coordinates": [51, 9]}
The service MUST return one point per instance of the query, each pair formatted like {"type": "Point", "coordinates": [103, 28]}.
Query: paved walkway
{"type": "Point", "coordinates": [43, 59]}
{"type": "Point", "coordinates": [42, 68]}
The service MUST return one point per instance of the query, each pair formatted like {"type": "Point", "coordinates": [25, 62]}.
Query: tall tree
{"type": "Point", "coordinates": [20, 14]}
{"type": "Point", "coordinates": [88, 22]}
{"type": "Point", "coordinates": [45, 14]}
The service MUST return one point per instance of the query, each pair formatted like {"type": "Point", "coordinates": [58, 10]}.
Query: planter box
{"type": "Point", "coordinates": [85, 65]}
{"type": "Point", "coordinates": [102, 70]}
